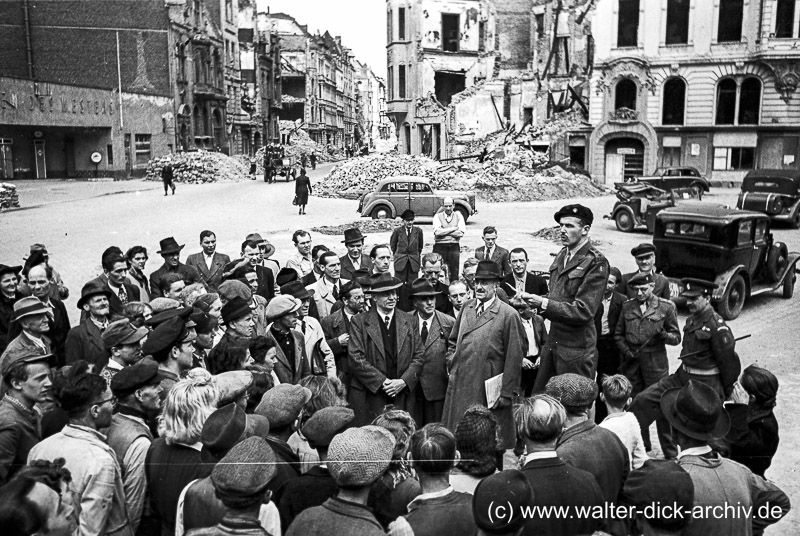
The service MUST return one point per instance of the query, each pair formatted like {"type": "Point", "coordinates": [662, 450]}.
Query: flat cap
{"type": "Point", "coordinates": [696, 287]}
{"type": "Point", "coordinates": [359, 456]}
{"type": "Point", "coordinates": [165, 335]}
{"type": "Point", "coordinates": [321, 427]}
{"type": "Point", "coordinates": [246, 470]}
{"type": "Point", "coordinates": [131, 378]}
{"type": "Point", "coordinates": [643, 249]}
{"type": "Point", "coordinates": [232, 385]}
{"type": "Point", "coordinates": [282, 404]}
{"type": "Point", "coordinates": [162, 304]}
{"type": "Point", "coordinates": [122, 332]}
{"type": "Point", "coordinates": [30, 305]}
{"type": "Point", "coordinates": [221, 431]}
{"type": "Point", "coordinates": [235, 309]}
{"type": "Point", "coordinates": [508, 488]}
{"type": "Point", "coordinates": [14, 356]}
{"type": "Point", "coordinates": [575, 211]}
{"type": "Point", "coordinates": [165, 314]}
{"type": "Point", "coordinates": [664, 482]}
{"type": "Point", "coordinates": [282, 305]}
{"type": "Point", "coordinates": [640, 279]}
{"type": "Point", "coordinates": [572, 390]}
{"type": "Point", "coordinates": [233, 288]}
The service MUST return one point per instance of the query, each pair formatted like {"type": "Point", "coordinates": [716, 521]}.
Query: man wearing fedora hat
{"type": "Point", "coordinates": [85, 341]}
{"type": "Point", "coordinates": [697, 417]}
{"type": "Point", "coordinates": [384, 354]}
{"type": "Point", "coordinates": [406, 243]}
{"type": "Point", "coordinates": [32, 316]}
{"type": "Point", "coordinates": [434, 330]}
{"type": "Point", "coordinates": [578, 278]}
{"type": "Point", "coordinates": [292, 364]}
{"type": "Point", "coordinates": [209, 262]}
{"type": "Point", "coordinates": [488, 339]}
{"type": "Point", "coordinates": [9, 278]}
{"type": "Point", "coordinates": [355, 258]}
{"type": "Point", "coordinates": [170, 250]}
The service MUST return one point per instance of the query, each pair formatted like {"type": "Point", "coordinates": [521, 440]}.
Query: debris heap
{"type": "Point", "coordinates": [200, 167]}
{"type": "Point", "coordinates": [365, 226]}
{"type": "Point", "coordinates": [8, 196]}
{"type": "Point", "coordinates": [359, 175]}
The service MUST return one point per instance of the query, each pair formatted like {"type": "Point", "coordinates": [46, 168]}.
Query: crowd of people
{"type": "Point", "coordinates": [377, 392]}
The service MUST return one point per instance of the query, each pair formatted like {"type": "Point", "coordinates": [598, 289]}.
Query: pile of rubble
{"type": "Point", "coordinates": [8, 196]}
{"type": "Point", "coordinates": [200, 167]}
{"type": "Point", "coordinates": [551, 234]}
{"type": "Point", "coordinates": [365, 226]}
{"type": "Point", "coordinates": [359, 175]}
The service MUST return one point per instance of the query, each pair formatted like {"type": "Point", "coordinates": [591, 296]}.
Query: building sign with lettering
{"type": "Point", "coordinates": [23, 102]}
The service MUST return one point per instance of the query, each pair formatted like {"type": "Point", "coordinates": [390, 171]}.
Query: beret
{"type": "Point", "coordinates": [283, 403]}
{"type": "Point", "coordinates": [321, 427]}
{"type": "Point", "coordinates": [640, 279]}
{"type": "Point", "coordinates": [282, 305]}
{"type": "Point", "coordinates": [235, 309]}
{"type": "Point", "coordinates": [643, 249]}
{"type": "Point", "coordinates": [696, 287]}
{"type": "Point", "coordinates": [232, 385]}
{"type": "Point", "coordinates": [165, 336]}
{"type": "Point", "coordinates": [509, 487]}
{"type": "Point", "coordinates": [359, 456]}
{"type": "Point", "coordinates": [133, 377]}
{"type": "Point", "coordinates": [576, 211]}
{"type": "Point", "coordinates": [221, 431]}
{"type": "Point", "coordinates": [572, 390]}
{"type": "Point", "coordinates": [122, 332]}
{"type": "Point", "coordinates": [246, 469]}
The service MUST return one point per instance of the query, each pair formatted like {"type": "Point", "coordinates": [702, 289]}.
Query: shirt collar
{"type": "Point", "coordinates": [578, 246]}
{"type": "Point", "coordinates": [486, 305]}
{"type": "Point", "coordinates": [435, 495]}
{"type": "Point", "coordinates": [695, 451]}
{"type": "Point", "coordinates": [384, 315]}
{"type": "Point", "coordinates": [113, 365]}
{"type": "Point", "coordinates": [542, 455]}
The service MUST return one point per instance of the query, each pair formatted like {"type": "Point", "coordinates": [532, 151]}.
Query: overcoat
{"type": "Point", "coordinates": [84, 341]}
{"type": "Point", "coordinates": [366, 358]}
{"type": "Point", "coordinates": [283, 368]}
{"type": "Point", "coordinates": [406, 249]}
{"type": "Point", "coordinates": [480, 348]}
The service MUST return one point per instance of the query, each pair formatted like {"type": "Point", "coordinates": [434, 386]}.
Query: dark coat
{"type": "Point", "coordinates": [450, 515]}
{"type": "Point", "coordinates": [85, 341]}
{"type": "Point", "coordinates": [599, 452]}
{"type": "Point", "coordinates": [711, 344]}
{"type": "Point", "coordinates": [500, 255]}
{"type": "Point", "coordinates": [312, 489]}
{"type": "Point", "coordinates": [406, 250]}
{"type": "Point", "coordinates": [287, 468]}
{"type": "Point", "coordinates": [302, 189]}
{"type": "Point", "coordinates": [480, 348]}
{"type": "Point", "coordinates": [348, 269]}
{"type": "Point", "coordinates": [556, 483]}
{"type": "Point", "coordinates": [614, 309]}
{"type": "Point", "coordinates": [534, 284]}
{"type": "Point", "coordinates": [213, 277]}
{"type": "Point", "coordinates": [334, 325]}
{"type": "Point", "coordinates": [753, 436]}
{"type": "Point", "coordinates": [283, 369]}
{"type": "Point", "coordinates": [6, 314]}
{"type": "Point", "coordinates": [266, 283]}
{"type": "Point", "coordinates": [114, 303]}
{"type": "Point", "coordinates": [433, 379]}
{"type": "Point", "coordinates": [19, 433]}
{"type": "Point", "coordinates": [366, 358]}
{"type": "Point", "coordinates": [336, 516]}
{"type": "Point", "coordinates": [189, 274]}
{"type": "Point", "coordinates": [406, 303]}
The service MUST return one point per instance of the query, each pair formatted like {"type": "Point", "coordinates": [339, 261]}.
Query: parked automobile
{"type": "Point", "coordinates": [731, 247]}
{"type": "Point", "coordinates": [668, 178]}
{"type": "Point", "coordinates": [774, 192]}
{"type": "Point", "coordinates": [394, 195]}
{"type": "Point", "coordinates": [638, 204]}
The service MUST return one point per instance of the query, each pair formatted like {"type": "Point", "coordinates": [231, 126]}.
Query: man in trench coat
{"type": "Point", "coordinates": [487, 339]}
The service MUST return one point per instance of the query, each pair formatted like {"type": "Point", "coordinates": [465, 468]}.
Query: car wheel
{"type": "Point", "coordinates": [697, 191]}
{"type": "Point", "coordinates": [624, 221]}
{"type": "Point", "coordinates": [733, 300]}
{"type": "Point", "coordinates": [777, 258]}
{"type": "Point", "coordinates": [796, 220]}
{"type": "Point", "coordinates": [788, 286]}
{"type": "Point", "coordinates": [463, 212]}
{"type": "Point", "coordinates": [381, 213]}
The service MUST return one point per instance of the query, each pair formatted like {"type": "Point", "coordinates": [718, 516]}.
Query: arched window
{"type": "Point", "coordinates": [726, 102]}
{"type": "Point", "coordinates": [625, 94]}
{"type": "Point", "coordinates": [749, 101]}
{"type": "Point", "coordinates": [674, 102]}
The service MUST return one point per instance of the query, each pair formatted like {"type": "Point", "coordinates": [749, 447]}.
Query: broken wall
{"type": "Point", "coordinates": [514, 31]}
{"type": "Point", "coordinates": [475, 20]}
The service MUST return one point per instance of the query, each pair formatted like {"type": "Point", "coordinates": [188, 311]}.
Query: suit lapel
{"type": "Point", "coordinates": [279, 350]}
{"type": "Point", "coordinates": [434, 327]}
{"type": "Point", "coordinates": [374, 331]}
{"type": "Point", "coordinates": [298, 352]}
{"type": "Point", "coordinates": [402, 328]}
{"type": "Point", "coordinates": [476, 321]}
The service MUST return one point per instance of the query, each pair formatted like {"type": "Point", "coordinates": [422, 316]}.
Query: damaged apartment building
{"type": "Point", "coordinates": [459, 70]}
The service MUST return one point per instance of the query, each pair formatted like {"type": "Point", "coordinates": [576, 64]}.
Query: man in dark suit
{"type": "Point", "coordinates": [121, 292]}
{"type": "Point", "coordinates": [645, 256]}
{"type": "Point", "coordinates": [209, 263]}
{"type": "Point", "coordinates": [606, 323]}
{"type": "Point", "coordinates": [171, 252]}
{"type": "Point", "coordinates": [355, 259]}
{"type": "Point", "coordinates": [336, 326]}
{"type": "Point", "coordinates": [384, 354]}
{"type": "Point", "coordinates": [406, 243]}
{"type": "Point", "coordinates": [518, 279]}
{"type": "Point", "coordinates": [250, 260]}
{"type": "Point", "coordinates": [490, 251]}
{"type": "Point", "coordinates": [434, 330]}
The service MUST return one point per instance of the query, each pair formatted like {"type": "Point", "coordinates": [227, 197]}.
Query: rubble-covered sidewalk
{"type": "Point", "coordinates": [200, 167]}
{"type": "Point", "coordinates": [8, 196]}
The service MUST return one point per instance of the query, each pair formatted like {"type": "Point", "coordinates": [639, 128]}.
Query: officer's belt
{"type": "Point", "coordinates": [701, 372]}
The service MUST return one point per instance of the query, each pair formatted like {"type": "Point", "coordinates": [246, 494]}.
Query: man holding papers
{"type": "Point", "coordinates": [488, 339]}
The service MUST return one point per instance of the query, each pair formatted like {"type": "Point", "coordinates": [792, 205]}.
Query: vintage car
{"type": "Point", "coordinates": [774, 192]}
{"type": "Point", "coordinates": [394, 195]}
{"type": "Point", "coordinates": [638, 204]}
{"type": "Point", "coordinates": [668, 178]}
{"type": "Point", "coordinates": [731, 247]}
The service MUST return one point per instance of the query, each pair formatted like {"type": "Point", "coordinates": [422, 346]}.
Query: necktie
{"type": "Point", "coordinates": [303, 324]}
{"type": "Point", "coordinates": [566, 259]}
{"type": "Point", "coordinates": [480, 309]}
{"type": "Point", "coordinates": [386, 320]}
{"type": "Point", "coordinates": [424, 333]}
{"type": "Point", "coordinates": [335, 292]}
{"type": "Point", "coordinates": [488, 256]}
{"type": "Point", "coordinates": [123, 296]}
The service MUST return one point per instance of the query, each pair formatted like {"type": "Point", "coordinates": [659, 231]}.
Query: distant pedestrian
{"type": "Point", "coordinates": [166, 177]}
{"type": "Point", "coordinates": [303, 160]}
{"type": "Point", "coordinates": [302, 189]}
{"type": "Point", "coordinates": [313, 159]}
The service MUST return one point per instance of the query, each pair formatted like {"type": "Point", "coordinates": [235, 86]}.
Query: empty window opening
{"type": "Point", "coordinates": [450, 32]}
{"type": "Point", "coordinates": [401, 23]}
{"type": "Point", "coordinates": [749, 101]}
{"type": "Point", "coordinates": [447, 85]}
{"type": "Point", "coordinates": [628, 23]}
{"type": "Point", "coordinates": [625, 94]}
{"type": "Point", "coordinates": [539, 17]}
{"type": "Point", "coordinates": [784, 19]}
{"type": "Point", "coordinates": [730, 20]}
{"type": "Point", "coordinates": [674, 101]}
{"type": "Point", "coordinates": [726, 102]}
{"type": "Point", "coordinates": [677, 22]}
{"type": "Point", "coordinates": [401, 81]}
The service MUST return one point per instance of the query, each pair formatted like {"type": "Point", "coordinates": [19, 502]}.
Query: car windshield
{"type": "Point", "coordinates": [693, 230]}
{"type": "Point", "coordinates": [780, 185]}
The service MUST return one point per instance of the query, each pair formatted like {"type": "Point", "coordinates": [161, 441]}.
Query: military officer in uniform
{"type": "Point", "coordinates": [645, 256]}
{"type": "Point", "coordinates": [708, 354]}
{"type": "Point", "coordinates": [646, 324]}
{"type": "Point", "coordinates": [578, 279]}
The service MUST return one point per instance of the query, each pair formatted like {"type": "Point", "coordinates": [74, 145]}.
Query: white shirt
{"type": "Point", "coordinates": [486, 305]}
{"type": "Point", "coordinates": [442, 221]}
{"type": "Point", "coordinates": [606, 306]}
{"type": "Point", "coordinates": [384, 315]}
{"type": "Point", "coordinates": [356, 262]}
{"type": "Point", "coordinates": [425, 321]}
{"type": "Point", "coordinates": [533, 350]}
{"type": "Point", "coordinates": [695, 451]}
{"type": "Point", "coordinates": [209, 260]}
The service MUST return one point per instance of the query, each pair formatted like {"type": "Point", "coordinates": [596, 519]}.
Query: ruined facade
{"type": "Point", "coordinates": [687, 82]}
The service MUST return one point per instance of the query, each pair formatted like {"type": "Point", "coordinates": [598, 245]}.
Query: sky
{"type": "Point", "coordinates": [361, 23]}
